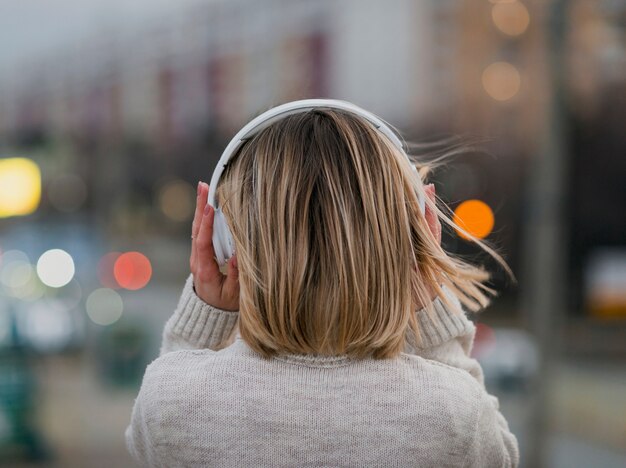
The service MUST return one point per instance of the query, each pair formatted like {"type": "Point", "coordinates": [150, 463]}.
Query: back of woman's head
{"type": "Point", "coordinates": [332, 248]}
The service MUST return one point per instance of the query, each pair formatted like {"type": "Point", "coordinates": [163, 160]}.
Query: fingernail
{"type": "Point", "coordinates": [207, 208]}
{"type": "Point", "coordinates": [198, 188]}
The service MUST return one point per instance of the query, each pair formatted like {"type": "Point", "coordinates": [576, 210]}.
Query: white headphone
{"type": "Point", "coordinates": [223, 243]}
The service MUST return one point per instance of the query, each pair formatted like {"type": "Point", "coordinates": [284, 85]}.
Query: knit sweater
{"type": "Point", "coordinates": [205, 402]}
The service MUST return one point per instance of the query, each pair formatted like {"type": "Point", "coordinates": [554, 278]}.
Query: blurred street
{"type": "Point", "coordinates": [588, 428]}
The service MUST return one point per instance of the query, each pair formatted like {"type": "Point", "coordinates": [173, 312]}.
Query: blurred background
{"type": "Point", "coordinates": [111, 111]}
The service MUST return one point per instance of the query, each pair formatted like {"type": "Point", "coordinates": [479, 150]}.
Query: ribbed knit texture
{"type": "Point", "coordinates": [210, 400]}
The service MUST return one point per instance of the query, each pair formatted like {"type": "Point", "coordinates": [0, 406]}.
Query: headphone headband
{"type": "Point", "coordinates": [267, 118]}
{"type": "Point", "coordinates": [221, 238]}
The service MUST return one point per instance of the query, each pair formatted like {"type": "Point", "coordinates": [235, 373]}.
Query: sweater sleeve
{"type": "Point", "coordinates": [492, 444]}
{"type": "Point", "coordinates": [447, 336]}
{"type": "Point", "coordinates": [196, 324]}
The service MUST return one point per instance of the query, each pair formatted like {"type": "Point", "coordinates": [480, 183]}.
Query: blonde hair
{"type": "Point", "coordinates": [332, 248]}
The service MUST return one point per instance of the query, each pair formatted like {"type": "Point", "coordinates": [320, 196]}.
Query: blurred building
{"type": "Point", "coordinates": [220, 62]}
{"type": "Point", "coordinates": [134, 104]}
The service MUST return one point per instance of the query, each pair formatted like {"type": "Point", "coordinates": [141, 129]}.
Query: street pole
{"type": "Point", "coordinates": [545, 240]}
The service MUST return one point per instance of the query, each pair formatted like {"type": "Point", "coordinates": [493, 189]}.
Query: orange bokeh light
{"type": "Point", "coordinates": [476, 217]}
{"type": "Point", "coordinates": [132, 270]}
{"type": "Point", "coordinates": [511, 18]}
{"type": "Point", "coordinates": [501, 80]}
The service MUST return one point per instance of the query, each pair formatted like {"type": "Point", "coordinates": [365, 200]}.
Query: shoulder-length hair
{"type": "Point", "coordinates": [332, 248]}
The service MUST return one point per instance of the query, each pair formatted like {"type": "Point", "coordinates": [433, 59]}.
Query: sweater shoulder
{"type": "Point", "coordinates": [185, 364]}
{"type": "Point", "coordinates": [438, 367]}
{"type": "Point", "coordinates": [455, 379]}
{"type": "Point", "coordinates": [177, 361]}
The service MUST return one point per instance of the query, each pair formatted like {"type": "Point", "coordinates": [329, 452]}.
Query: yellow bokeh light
{"type": "Point", "coordinates": [476, 217]}
{"type": "Point", "coordinates": [20, 187]}
{"type": "Point", "coordinates": [501, 81]}
{"type": "Point", "coordinates": [511, 18]}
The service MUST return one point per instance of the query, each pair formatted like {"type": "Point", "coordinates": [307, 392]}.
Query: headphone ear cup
{"type": "Point", "coordinates": [223, 243]}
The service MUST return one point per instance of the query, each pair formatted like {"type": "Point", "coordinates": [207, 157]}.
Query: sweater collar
{"type": "Point", "coordinates": [308, 360]}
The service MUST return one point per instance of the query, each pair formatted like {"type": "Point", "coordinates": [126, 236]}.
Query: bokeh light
{"type": "Point", "coordinates": [501, 81]}
{"type": "Point", "coordinates": [605, 283]}
{"type": "Point", "coordinates": [32, 290]}
{"type": "Point", "coordinates": [105, 270]}
{"type": "Point", "coordinates": [20, 187]}
{"type": "Point", "coordinates": [13, 255]}
{"type": "Point", "coordinates": [476, 217]}
{"type": "Point", "coordinates": [16, 270]}
{"type": "Point", "coordinates": [485, 340]}
{"type": "Point", "coordinates": [67, 192]}
{"type": "Point", "coordinates": [104, 306]}
{"type": "Point", "coordinates": [18, 277]}
{"type": "Point", "coordinates": [17, 274]}
{"type": "Point", "coordinates": [177, 200]}
{"type": "Point", "coordinates": [132, 270]}
{"type": "Point", "coordinates": [55, 268]}
{"type": "Point", "coordinates": [46, 326]}
{"type": "Point", "coordinates": [512, 18]}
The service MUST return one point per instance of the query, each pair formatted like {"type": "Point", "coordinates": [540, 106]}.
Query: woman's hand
{"type": "Point", "coordinates": [435, 228]}
{"type": "Point", "coordinates": [433, 221]}
{"type": "Point", "coordinates": [214, 288]}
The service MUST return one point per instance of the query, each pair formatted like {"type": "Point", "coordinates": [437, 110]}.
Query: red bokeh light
{"type": "Point", "coordinates": [132, 270]}
{"type": "Point", "coordinates": [105, 270]}
{"type": "Point", "coordinates": [484, 340]}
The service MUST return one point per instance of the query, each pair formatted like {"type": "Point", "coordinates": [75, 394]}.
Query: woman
{"type": "Point", "coordinates": [337, 336]}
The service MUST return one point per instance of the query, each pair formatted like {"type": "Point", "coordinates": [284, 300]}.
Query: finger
{"type": "Point", "coordinates": [231, 284]}
{"type": "Point", "coordinates": [435, 219]}
{"type": "Point", "coordinates": [205, 262]}
{"type": "Point", "coordinates": [429, 212]}
{"type": "Point", "coordinates": [201, 201]}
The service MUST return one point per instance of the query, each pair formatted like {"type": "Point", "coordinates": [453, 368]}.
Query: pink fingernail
{"type": "Point", "coordinates": [198, 188]}
{"type": "Point", "coordinates": [207, 208]}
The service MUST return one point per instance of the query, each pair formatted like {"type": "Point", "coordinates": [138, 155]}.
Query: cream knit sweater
{"type": "Point", "coordinates": [232, 408]}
